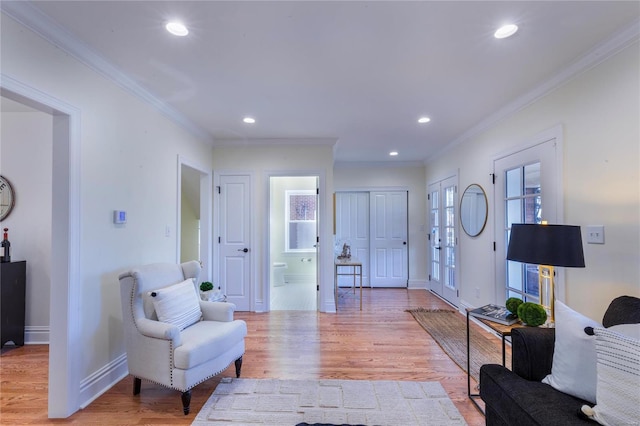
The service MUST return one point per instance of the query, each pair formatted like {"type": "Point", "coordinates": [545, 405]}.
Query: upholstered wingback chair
{"type": "Point", "coordinates": [172, 337]}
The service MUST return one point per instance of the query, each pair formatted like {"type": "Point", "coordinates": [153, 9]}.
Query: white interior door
{"type": "Point", "coordinates": [235, 255]}
{"type": "Point", "coordinates": [352, 227]}
{"type": "Point", "coordinates": [388, 239]}
{"type": "Point", "coordinates": [443, 239]}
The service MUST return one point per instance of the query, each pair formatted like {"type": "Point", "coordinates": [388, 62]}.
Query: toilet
{"type": "Point", "coordinates": [277, 275]}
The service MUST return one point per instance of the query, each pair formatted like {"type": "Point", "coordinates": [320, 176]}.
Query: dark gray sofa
{"type": "Point", "coordinates": [519, 397]}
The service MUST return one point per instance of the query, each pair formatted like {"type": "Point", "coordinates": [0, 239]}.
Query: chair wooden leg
{"type": "Point", "coordinates": [238, 366]}
{"type": "Point", "coordinates": [186, 401]}
{"type": "Point", "coordinates": [136, 385]}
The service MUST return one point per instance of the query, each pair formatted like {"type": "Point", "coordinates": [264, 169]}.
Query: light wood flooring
{"type": "Point", "coordinates": [381, 342]}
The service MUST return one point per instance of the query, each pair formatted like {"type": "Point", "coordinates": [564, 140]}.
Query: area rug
{"type": "Point", "coordinates": [358, 402]}
{"type": "Point", "coordinates": [449, 329]}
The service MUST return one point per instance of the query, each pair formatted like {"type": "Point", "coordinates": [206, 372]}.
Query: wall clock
{"type": "Point", "coordinates": [7, 198]}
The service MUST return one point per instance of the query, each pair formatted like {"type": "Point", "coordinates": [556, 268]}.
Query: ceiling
{"type": "Point", "coordinates": [357, 72]}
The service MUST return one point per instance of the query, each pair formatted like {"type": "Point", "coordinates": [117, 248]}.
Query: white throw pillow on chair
{"type": "Point", "coordinates": [177, 304]}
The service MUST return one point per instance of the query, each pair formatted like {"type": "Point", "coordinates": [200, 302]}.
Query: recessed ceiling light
{"type": "Point", "coordinates": [423, 120]}
{"type": "Point", "coordinates": [249, 120]}
{"type": "Point", "coordinates": [506, 31]}
{"type": "Point", "coordinates": [393, 153]}
{"type": "Point", "coordinates": [177, 28]}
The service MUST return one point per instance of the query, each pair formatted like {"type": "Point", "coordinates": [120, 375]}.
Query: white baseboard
{"type": "Point", "coordinates": [418, 284]}
{"type": "Point", "coordinates": [102, 380]}
{"type": "Point", "coordinates": [36, 335]}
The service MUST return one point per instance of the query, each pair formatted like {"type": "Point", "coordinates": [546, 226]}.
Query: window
{"type": "Point", "coordinates": [523, 204]}
{"type": "Point", "coordinates": [300, 220]}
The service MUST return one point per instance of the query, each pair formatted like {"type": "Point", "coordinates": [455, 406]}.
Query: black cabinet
{"type": "Point", "coordinates": [12, 295]}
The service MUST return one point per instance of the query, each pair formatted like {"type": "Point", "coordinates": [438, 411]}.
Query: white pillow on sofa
{"type": "Point", "coordinates": [177, 304]}
{"type": "Point", "coordinates": [574, 356]}
{"type": "Point", "coordinates": [618, 394]}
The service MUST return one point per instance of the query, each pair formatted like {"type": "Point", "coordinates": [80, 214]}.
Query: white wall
{"type": "Point", "coordinates": [189, 230]}
{"type": "Point", "coordinates": [599, 112]}
{"type": "Point", "coordinates": [26, 147]}
{"type": "Point", "coordinates": [412, 178]}
{"type": "Point", "coordinates": [262, 160]}
{"type": "Point", "coordinates": [128, 162]}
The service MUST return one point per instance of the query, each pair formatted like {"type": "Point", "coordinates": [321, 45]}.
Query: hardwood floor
{"type": "Point", "coordinates": [381, 342]}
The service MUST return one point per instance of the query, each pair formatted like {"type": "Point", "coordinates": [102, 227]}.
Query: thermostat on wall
{"type": "Point", "coordinates": [119, 216]}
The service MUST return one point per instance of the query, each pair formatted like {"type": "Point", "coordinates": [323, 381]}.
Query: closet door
{"type": "Point", "coordinates": [388, 239]}
{"type": "Point", "coordinates": [352, 227]}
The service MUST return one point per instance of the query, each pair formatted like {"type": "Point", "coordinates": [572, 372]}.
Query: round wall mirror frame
{"type": "Point", "coordinates": [473, 210]}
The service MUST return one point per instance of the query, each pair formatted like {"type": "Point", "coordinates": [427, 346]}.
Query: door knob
{"type": "Point", "coordinates": [244, 250]}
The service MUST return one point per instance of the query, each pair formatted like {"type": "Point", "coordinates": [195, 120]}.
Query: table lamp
{"type": "Point", "coordinates": [546, 246]}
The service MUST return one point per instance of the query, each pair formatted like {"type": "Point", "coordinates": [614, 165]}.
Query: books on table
{"type": "Point", "coordinates": [495, 313]}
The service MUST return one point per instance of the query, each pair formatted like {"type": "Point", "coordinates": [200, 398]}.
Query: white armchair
{"type": "Point", "coordinates": [190, 343]}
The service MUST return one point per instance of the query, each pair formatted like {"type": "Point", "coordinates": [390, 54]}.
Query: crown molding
{"type": "Point", "coordinates": [276, 141]}
{"type": "Point", "coordinates": [376, 164]}
{"type": "Point", "coordinates": [30, 16]}
{"type": "Point", "coordinates": [600, 53]}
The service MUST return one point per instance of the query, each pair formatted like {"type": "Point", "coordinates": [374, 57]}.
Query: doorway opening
{"type": "Point", "coordinates": [293, 243]}
{"type": "Point", "coordinates": [194, 216]}
{"type": "Point", "coordinates": [64, 324]}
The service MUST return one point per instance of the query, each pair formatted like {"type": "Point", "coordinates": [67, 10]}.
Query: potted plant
{"type": "Point", "coordinates": [211, 294]}
{"type": "Point", "coordinates": [206, 290]}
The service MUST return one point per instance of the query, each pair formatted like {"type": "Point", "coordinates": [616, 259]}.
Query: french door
{"type": "Point", "coordinates": [527, 190]}
{"type": "Point", "coordinates": [443, 238]}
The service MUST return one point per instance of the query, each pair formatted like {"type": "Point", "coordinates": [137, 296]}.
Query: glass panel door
{"type": "Point", "coordinates": [522, 204]}
{"type": "Point", "coordinates": [434, 239]}
{"type": "Point", "coordinates": [443, 239]}
{"type": "Point", "coordinates": [528, 189]}
{"type": "Point", "coordinates": [449, 245]}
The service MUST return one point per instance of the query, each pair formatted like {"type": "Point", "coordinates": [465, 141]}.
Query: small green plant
{"type": "Point", "coordinates": [532, 314]}
{"type": "Point", "coordinates": [206, 286]}
{"type": "Point", "coordinates": [512, 304]}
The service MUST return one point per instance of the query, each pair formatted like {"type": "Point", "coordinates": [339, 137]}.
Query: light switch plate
{"type": "Point", "coordinates": [119, 217]}
{"type": "Point", "coordinates": [595, 234]}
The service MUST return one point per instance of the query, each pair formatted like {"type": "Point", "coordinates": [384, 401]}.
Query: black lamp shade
{"type": "Point", "coordinates": [553, 245]}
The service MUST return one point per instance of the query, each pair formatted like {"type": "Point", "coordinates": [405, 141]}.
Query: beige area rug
{"type": "Point", "coordinates": [449, 329]}
{"type": "Point", "coordinates": [289, 402]}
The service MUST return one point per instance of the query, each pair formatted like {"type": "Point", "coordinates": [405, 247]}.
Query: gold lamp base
{"type": "Point", "coordinates": [546, 293]}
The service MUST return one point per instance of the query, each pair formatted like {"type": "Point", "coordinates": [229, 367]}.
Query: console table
{"type": "Point", "coordinates": [355, 270]}
{"type": "Point", "coordinates": [12, 299]}
{"type": "Point", "coordinates": [501, 330]}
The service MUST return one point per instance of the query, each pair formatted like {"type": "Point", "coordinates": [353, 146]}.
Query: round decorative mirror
{"type": "Point", "coordinates": [473, 210]}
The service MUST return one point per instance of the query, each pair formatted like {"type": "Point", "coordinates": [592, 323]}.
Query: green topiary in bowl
{"type": "Point", "coordinates": [206, 286]}
{"type": "Point", "coordinates": [532, 314]}
{"type": "Point", "coordinates": [512, 304]}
